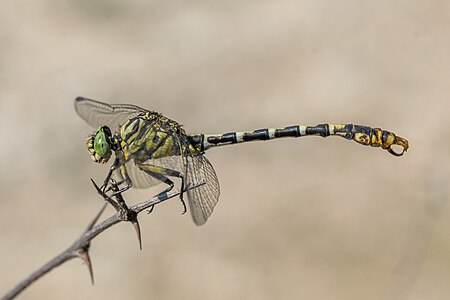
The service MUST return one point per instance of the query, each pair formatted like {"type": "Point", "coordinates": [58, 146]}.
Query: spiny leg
{"type": "Point", "coordinates": [103, 188]}
{"type": "Point", "coordinates": [117, 194]}
{"type": "Point", "coordinates": [171, 184]}
{"type": "Point", "coordinates": [110, 184]}
{"type": "Point", "coordinates": [119, 183]}
{"type": "Point", "coordinates": [161, 173]}
{"type": "Point", "coordinates": [125, 179]}
{"type": "Point", "coordinates": [167, 181]}
{"type": "Point", "coordinates": [151, 209]}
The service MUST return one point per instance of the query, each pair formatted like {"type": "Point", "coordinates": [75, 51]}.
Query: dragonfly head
{"type": "Point", "coordinates": [99, 144]}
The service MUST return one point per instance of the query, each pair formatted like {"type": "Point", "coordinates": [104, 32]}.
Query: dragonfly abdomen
{"type": "Point", "coordinates": [365, 135]}
{"type": "Point", "coordinates": [160, 148]}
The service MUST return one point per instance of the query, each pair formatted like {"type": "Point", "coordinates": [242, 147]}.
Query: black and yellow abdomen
{"type": "Point", "coordinates": [161, 149]}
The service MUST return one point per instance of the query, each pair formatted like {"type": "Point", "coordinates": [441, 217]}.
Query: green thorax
{"type": "Point", "coordinates": [152, 136]}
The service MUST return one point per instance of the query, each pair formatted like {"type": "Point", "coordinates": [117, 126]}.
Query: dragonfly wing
{"type": "Point", "coordinates": [139, 178]}
{"type": "Point", "coordinates": [142, 180]}
{"type": "Point", "coordinates": [97, 113]}
{"type": "Point", "coordinates": [203, 198]}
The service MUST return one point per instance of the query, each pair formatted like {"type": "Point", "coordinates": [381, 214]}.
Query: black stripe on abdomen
{"type": "Point", "coordinates": [290, 131]}
{"type": "Point", "coordinates": [259, 134]}
{"type": "Point", "coordinates": [229, 137]}
{"type": "Point", "coordinates": [321, 129]}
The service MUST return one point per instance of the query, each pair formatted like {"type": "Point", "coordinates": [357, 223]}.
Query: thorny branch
{"type": "Point", "coordinates": [80, 247]}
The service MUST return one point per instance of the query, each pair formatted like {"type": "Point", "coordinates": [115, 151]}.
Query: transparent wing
{"type": "Point", "coordinates": [139, 178]}
{"type": "Point", "coordinates": [142, 180]}
{"type": "Point", "coordinates": [203, 198]}
{"type": "Point", "coordinates": [97, 114]}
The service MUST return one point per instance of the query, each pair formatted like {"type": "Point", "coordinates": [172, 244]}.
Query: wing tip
{"type": "Point", "coordinates": [79, 99]}
{"type": "Point", "coordinates": [199, 222]}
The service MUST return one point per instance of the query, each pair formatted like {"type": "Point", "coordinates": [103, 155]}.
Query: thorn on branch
{"type": "Point", "coordinates": [123, 211]}
{"type": "Point", "coordinates": [83, 253]}
{"type": "Point", "coordinates": [137, 229]}
{"type": "Point", "coordinates": [80, 246]}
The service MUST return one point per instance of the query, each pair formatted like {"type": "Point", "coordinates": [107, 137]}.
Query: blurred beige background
{"type": "Point", "coordinates": [309, 218]}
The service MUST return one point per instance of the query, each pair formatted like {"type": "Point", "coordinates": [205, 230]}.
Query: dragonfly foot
{"type": "Point", "coordinates": [184, 207]}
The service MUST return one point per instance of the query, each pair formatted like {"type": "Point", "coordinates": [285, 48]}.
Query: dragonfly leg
{"type": "Point", "coordinates": [124, 178]}
{"type": "Point", "coordinates": [117, 183]}
{"type": "Point", "coordinates": [121, 190]}
{"type": "Point", "coordinates": [151, 209]}
{"type": "Point", "coordinates": [161, 174]}
{"type": "Point", "coordinates": [170, 183]}
{"type": "Point", "coordinates": [108, 177]}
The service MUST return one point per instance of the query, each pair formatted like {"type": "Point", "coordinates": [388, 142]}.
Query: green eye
{"type": "Point", "coordinates": [101, 144]}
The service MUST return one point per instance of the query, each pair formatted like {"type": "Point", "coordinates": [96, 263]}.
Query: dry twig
{"type": "Point", "coordinates": [80, 247]}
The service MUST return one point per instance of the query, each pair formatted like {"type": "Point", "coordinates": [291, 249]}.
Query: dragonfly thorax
{"type": "Point", "coordinates": [99, 144]}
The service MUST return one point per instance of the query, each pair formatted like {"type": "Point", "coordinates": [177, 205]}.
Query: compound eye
{"type": "Point", "coordinates": [101, 144]}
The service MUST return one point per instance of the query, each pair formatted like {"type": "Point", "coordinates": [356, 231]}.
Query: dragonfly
{"type": "Point", "coordinates": [150, 149]}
